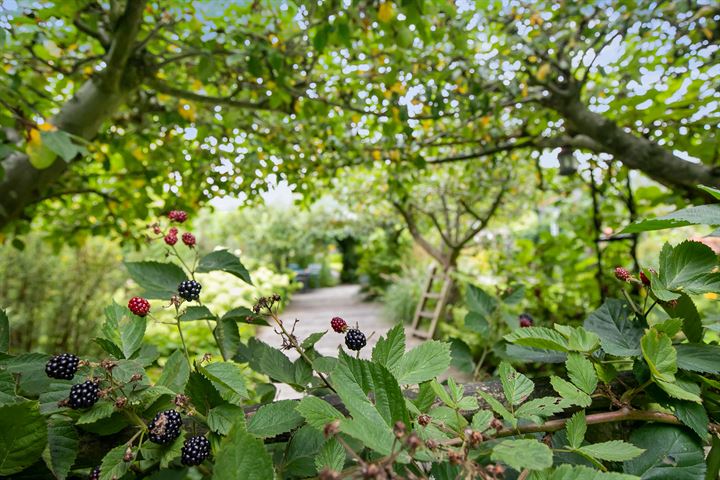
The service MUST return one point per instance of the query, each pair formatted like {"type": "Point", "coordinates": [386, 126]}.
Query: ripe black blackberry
{"type": "Point", "coordinates": [355, 339]}
{"type": "Point", "coordinates": [95, 474]}
{"type": "Point", "coordinates": [62, 366]}
{"type": "Point", "coordinates": [189, 290]}
{"type": "Point", "coordinates": [165, 427]}
{"type": "Point", "coordinates": [83, 395]}
{"type": "Point", "coordinates": [195, 450]}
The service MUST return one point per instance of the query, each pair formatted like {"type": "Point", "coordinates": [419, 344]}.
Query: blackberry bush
{"type": "Point", "coordinates": [83, 395]}
{"type": "Point", "coordinates": [195, 450]}
{"type": "Point", "coordinates": [165, 427]}
{"type": "Point", "coordinates": [189, 290]}
{"type": "Point", "coordinates": [62, 367]}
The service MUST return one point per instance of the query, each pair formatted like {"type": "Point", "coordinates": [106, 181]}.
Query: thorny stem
{"type": "Point", "coordinates": [297, 347]}
{"type": "Point", "coordinates": [635, 308]}
{"type": "Point", "coordinates": [182, 337]}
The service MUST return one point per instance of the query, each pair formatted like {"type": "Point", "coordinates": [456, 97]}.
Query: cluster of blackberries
{"type": "Point", "coordinates": [354, 338]}
{"type": "Point", "coordinates": [165, 427]}
{"type": "Point", "coordinates": [139, 306]}
{"type": "Point", "coordinates": [195, 450]}
{"type": "Point", "coordinates": [83, 395]}
{"type": "Point", "coordinates": [62, 367]}
{"type": "Point", "coordinates": [189, 290]}
{"type": "Point", "coordinates": [95, 474]}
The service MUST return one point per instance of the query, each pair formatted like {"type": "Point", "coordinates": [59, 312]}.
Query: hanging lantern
{"type": "Point", "coordinates": [568, 164]}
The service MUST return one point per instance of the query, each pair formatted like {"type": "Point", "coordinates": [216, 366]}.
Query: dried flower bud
{"type": "Point", "coordinates": [136, 377]}
{"type": "Point", "coordinates": [413, 442]}
{"type": "Point", "coordinates": [327, 474]}
{"type": "Point", "coordinates": [128, 457]}
{"type": "Point", "coordinates": [332, 428]}
{"type": "Point", "coordinates": [455, 457]}
{"type": "Point", "coordinates": [120, 402]}
{"type": "Point", "coordinates": [108, 364]}
{"type": "Point", "coordinates": [474, 437]}
{"type": "Point", "coordinates": [424, 419]}
{"type": "Point", "coordinates": [371, 470]}
{"type": "Point", "coordinates": [496, 424]}
{"type": "Point", "coordinates": [399, 429]}
{"type": "Point", "coordinates": [181, 400]}
{"type": "Point", "coordinates": [431, 444]}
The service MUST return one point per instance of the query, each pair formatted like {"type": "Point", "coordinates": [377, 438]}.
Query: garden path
{"type": "Point", "coordinates": [314, 310]}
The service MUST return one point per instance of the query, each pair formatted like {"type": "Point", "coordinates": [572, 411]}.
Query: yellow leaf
{"type": "Point", "coordinates": [46, 127]}
{"type": "Point", "coordinates": [356, 118]}
{"type": "Point", "coordinates": [394, 155]}
{"type": "Point", "coordinates": [398, 88]}
{"type": "Point", "coordinates": [187, 110]}
{"type": "Point", "coordinates": [484, 121]}
{"type": "Point", "coordinates": [386, 12]}
{"type": "Point", "coordinates": [532, 59]}
{"type": "Point", "coordinates": [376, 155]}
{"type": "Point", "coordinates": [39, 155]}
{"type": "Point", "coordinates": [711, 296]}
{"type": "Point", "coordinates": [462, 89]}
{"type": "Point", "coordinates": [524, 90]}
{"type": "Point", "coordinates": [708, 33]}
{"type": "Point", "coordinates": [543, 71]}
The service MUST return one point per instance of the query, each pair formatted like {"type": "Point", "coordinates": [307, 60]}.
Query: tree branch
{"type": "Point", "coordinates": [483, 153]}
{"type": "Point", "coordinates": [121, 48]}
{"type": "Point", "coordinates": [486, 218]}
{"type": "Point", "coordinates": [214, 100]}
{"type": "Point", "coordinates": [415, 232]}
{"type": "Point", "coordinates": [100, 36]}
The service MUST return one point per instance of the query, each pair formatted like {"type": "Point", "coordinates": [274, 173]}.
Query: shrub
{"type": "Point", "coordinates": [640, 361]}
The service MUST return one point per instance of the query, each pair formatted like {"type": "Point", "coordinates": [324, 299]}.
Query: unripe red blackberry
{"type": "Point", "coordinates": [173, 231]}
{"type": "Point", "coordinates": [338, 324]}
{"type": "Point", "coordinates": [188, 239]}
{"type": "Point", "coordinates": [525, 320]}
{"type": "Point", "coordinates": [189, 290]}
{"type": "Point", "coordinates": [195, 450]}
{"type": "Point", "coordinates": [165, 427]}
{"type": "Point", "coordinates": [622, 274]}
{"type": "Point", "coordinates": [83, 395]}
{"type": "Point", "coordinates": [62, 367]}
{"type": "Point", "coordinates": [139, 306]}
{"type": "Point", "coordinates": [95, 474]}
{"type": "Point", "coordinates": [644, 279]}
{"type": "Point", "coordinates": [177, 216]}
{"type": "Point", "coordinates": [355, 339]}
{"type": "Point", "coordinates": [170, 239]}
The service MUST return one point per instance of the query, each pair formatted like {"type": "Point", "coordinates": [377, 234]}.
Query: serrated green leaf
{"type": "Point", "coordinates": [579, 339]}
{"type": "Point", "coordinates": [570, 392]}
{"type": "Point", "coordinates": [479, 301]}
{"type": "Point", "coordinates": [312, 339]}
{"type": "Point", "coordinates": [660, 355]}
{"type": "Point", "coordinates": [481, 420]}
{"type": "Point", "coordinates": [670, 327]}
{"type": "Point", "coordinates": [612, 451]}
{"type": "Point", "coordinates": [462, 357]}
{"type": "Point", "coordinates": [688, 268]}
{"type": "Point", "coordinates": [681, 389]}
{"type": "Point", "coordinates": [241, 455]}
{"type": "Point", "coordinates": [175, 373]}
{"type": "Point", "coordinates": [521, 454]}
{"type": "Point", "coordinates": [698, 357]}
{"type": "Point", "coordinates": [498, 407]}
{"type": "Point", "coordinates": [581, 472]}
{"type": "Point", "coordinates": [222, 418]}
{"type": "Point", "coordinates": [100, 410]}
{"type": "Point", "coordinates": [196, 312]}
{"type": "Point", "coordinates": [700, 215]}
{"type": "Point", "coordinates": [62, 446]}
{"type": "Point", "coordinates": [318, 412]}
{"type": "Point", "coordinates": [228, 379]}
{"type": "Point", "coordinates": [516, 386]}
{"type": "Point", "coordinates": [275, 418]}
{"type": "Point", "coordinates": [331, 456]}
{"type": "Point", "coordinates": [538, 337]}
{"type": "Point", "coordinates": [684, 308]}
{"type": "Point", "coordinates": [422, 363]}
{"type": "Point", "coordinates": [24, 438]}
{"type": "Point", "coordinates": [389, 350]}
{"type": "Point", "coordinates": [158, 280]}
{"type": "Point", "coordinates": [581, 373]}
{"type": "Point", "coordinates": [670, 452]}
{"type": "Point", "coordinates": [113, 465]}
{"type": "Point", "coordinates": [225, 261]}
{"type": "Point", "coordinates": [132, 330]}
{"type": "Point", "coordinates": [576, 427]}
{"type": "Point", "coordinates": [245, 315]}
{"type": "Point", "coordinates": [541, 407]}
{"type": "Point", "coordinates": [619, 335]}
{"type": "Point", "coordinates": [154, 453]}
{"type": "Point", "coordinates": [693, 415]}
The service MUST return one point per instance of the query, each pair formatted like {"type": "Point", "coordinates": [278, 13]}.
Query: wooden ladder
{"type": "Point", "coordinates": [426, 312]}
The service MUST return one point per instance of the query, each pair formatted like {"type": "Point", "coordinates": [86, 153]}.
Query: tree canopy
{"type": "Point", "coordinates": [112, 110]}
